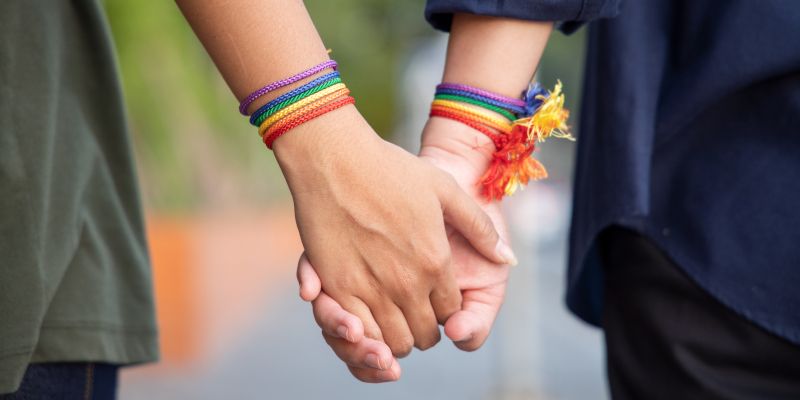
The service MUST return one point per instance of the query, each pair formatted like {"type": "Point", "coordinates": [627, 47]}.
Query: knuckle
{"type": "Point", "coordinates": [402, 347]}
{"type": "Point", "coordinates": [373, 332]}
{"type": "Point", "coordinates": [436, 261]}
{"type": "Point", "coordinates": [430, 341]}
{"type": "Point", "coordinates": [446, 312]}
{"type": "Point", "coordinates": [482, 225]}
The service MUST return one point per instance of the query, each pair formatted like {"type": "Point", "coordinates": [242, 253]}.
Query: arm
{"type": "Point", "coordinates": [492, 53]}
{"type": "Point", "coordinates": [477, 55]}
{"type": "Point", "coordinates": [371, 217]}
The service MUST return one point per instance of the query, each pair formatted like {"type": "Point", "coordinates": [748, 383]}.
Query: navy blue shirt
{"type": "Point", "coordinates": [690, 134]}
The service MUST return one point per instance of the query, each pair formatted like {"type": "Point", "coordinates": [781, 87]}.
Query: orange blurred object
{"type": "Point", "coordinates": [171, 256]}
{"type": "Point", "coordinates": [214, 273]}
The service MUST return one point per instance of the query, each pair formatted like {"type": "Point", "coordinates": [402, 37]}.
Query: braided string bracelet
{"type": "Point", "coordinates": [478, 114]}
{"type": "Point", "coordinates": [298, 105]}
{"type": "Point", "coordinates": [463, 99]}
{"type": "Point", "coordinates": [316, 112]}
{"type": "Point", "coordinates": [482, 93]}
{"type": "Point", "coordinates": [472, 123]}
{"type": "Point", "coordinates": [283, 104]}
{"type": "Point", "coordinates": [513, 108]}
{"type": "Point", "coordinates": [321, 95]}
{"type": "Point", "coordinates": [294, 92]}
{"type": "Point", "coordinates": [283, 82]}
{"type": "Point", "coordinates": [512, 165]}
{"type": "Point", "coordinates": [307, 108]}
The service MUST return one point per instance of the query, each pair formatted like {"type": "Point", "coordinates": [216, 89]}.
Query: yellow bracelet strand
{"type": "Point", "coordinates": [296, 106]}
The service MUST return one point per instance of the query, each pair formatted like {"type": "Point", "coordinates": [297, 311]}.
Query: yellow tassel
{"type": "Point", "coordinates": [549, 120]}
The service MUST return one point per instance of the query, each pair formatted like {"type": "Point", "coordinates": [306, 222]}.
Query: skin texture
{"type": "Point", "coordinates": [482, 282]}
{"type": "Point", "coordinates": [370, 257]}
{"type": "Point", "coordinates": [476, 56]}
{"type": "Point", "coordinates": [371, 216]}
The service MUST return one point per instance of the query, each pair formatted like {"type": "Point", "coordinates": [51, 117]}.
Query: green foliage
{"type": "Point", "coordinates": [369, 39]}
{"type": "Point", "coordinates": [187, 132]}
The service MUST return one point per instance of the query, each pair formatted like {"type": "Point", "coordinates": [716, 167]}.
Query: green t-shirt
{"type": "Point", "coordinates": [74, 272]}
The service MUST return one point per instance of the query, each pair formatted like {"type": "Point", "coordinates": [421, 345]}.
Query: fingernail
{"type": "Point", "coordinates": [505, 252]}
{"type": "Point", "coordinates": [373, 361]}
{"type": "Point", "coordinates": [342, 331]}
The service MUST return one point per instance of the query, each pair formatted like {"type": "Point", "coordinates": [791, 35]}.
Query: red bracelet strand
{"type": "Point", "coordinates": [273, 134]}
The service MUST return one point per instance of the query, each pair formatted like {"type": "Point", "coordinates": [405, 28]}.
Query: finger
{"type": "Point", "coordinates": [470, 327]}
{"type": "Point", "coordinates": [355, 306]}
{"type": "Point", "coordinates": [335, 321]}
{"type": "Point", "coordinates": [310, 285]}
{"type": "Point", "coordinates": [393, 326]}
{"type": "Point", "coordinates": [367, 353]}
{"type": "Point", "coordinates": [446, 297]}
{"type": "Point", "coordinates": [466, 216]}
{"type": "Point", "coordinates": [422, 322]}
{"type": "Point", "coordinates": [370, 375]}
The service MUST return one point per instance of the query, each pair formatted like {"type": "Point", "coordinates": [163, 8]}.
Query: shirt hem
{"type": "Point", "coordinates": [117, 345]}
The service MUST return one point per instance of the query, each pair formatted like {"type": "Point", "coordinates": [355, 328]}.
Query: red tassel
{"type": "Point", "coordinates": [512, 165]}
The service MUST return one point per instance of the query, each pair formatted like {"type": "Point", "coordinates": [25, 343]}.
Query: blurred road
{"type": "Point", "coordinates": [537, 350]}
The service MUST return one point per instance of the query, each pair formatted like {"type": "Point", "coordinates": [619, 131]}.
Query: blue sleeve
{"type": "Point", "coordinates": [570, 14]}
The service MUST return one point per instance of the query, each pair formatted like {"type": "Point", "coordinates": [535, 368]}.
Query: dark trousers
{"type": "Point", "coordinates": [666, 338]}
{"type": "Point", "coordinates": [67, 381]}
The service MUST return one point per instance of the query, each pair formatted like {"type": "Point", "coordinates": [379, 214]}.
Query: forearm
{"type": "Point", "coordinates": [500, 55]}
{"type": "Point", "coordinates": [254, 42]}
{"type": "Point", "coordinates": [495, 54]}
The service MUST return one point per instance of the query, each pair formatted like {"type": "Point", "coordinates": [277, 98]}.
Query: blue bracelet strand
{"type": "Point", "coordinates": [292, 93]}
{"type": "Point", "coordinates": [519, 111]}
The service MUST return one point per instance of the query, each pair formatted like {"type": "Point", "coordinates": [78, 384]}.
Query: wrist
{"type": "Point", "coordinates": [306, 153]}
{"type": "Point", "coordinates": [444, 138]}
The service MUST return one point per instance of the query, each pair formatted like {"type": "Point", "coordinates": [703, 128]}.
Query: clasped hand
{"type": "Point", "coordinates": [394, 244]}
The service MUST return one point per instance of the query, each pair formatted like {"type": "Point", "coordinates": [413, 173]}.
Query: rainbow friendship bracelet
{"type": "Point", "coordinates": [539, 115]}
{"type": "Point", "coordinates": [297, 106]}
{"type": "Point", "coordinates": [502, 111]}
{"type": "Point", "coordinates": [480, 92]}
{"type": "Point", "coordinates": [515, 109]}
{"type": "Point", "coordinates": [321, 96]}
{"type": "Point", "coordinates": [288, 97]}
{"type": "Point", "coordinates": [283, 82]}
{"type": "Point", "coordinates": [277, 130]}
{"type": "Point", "coordinates": [277, 107]}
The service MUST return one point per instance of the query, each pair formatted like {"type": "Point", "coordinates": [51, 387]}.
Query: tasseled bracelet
{"type": "Point", "coordinates": [539, 115]}
{"type": "Point", "coordinates": [302, 104]}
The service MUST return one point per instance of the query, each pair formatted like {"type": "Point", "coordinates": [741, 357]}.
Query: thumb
{"type": "Point", "coordinates": [469, 328]}
{"type": "Point", "coordinates": [466, 216]}
{"type": "Point", "coordinates": [310, 285]}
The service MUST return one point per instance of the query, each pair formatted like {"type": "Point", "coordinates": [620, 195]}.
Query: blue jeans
{"type": "Point", "coordinates": [67, 381]}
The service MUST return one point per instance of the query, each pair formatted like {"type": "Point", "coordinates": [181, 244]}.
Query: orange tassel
{"type": "Point", "coordinates": [513, 165]}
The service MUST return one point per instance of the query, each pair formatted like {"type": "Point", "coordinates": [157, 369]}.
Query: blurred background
{"type": "Point", "coordinates": [224, 244]}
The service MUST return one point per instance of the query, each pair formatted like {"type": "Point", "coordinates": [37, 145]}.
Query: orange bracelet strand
{"type": "Point", "coordinates": [275, 132]}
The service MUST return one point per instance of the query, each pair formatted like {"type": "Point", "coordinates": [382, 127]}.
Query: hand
{"type": "Point", "coordinates": [464, 153]}
{"type": "Point", "coordinates": [372, 220]}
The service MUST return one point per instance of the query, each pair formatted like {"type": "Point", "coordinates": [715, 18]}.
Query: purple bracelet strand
{"type": "Point", "coordinates": [484, 93]}
{"type": "Point", "coordinates": [283, 82]}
